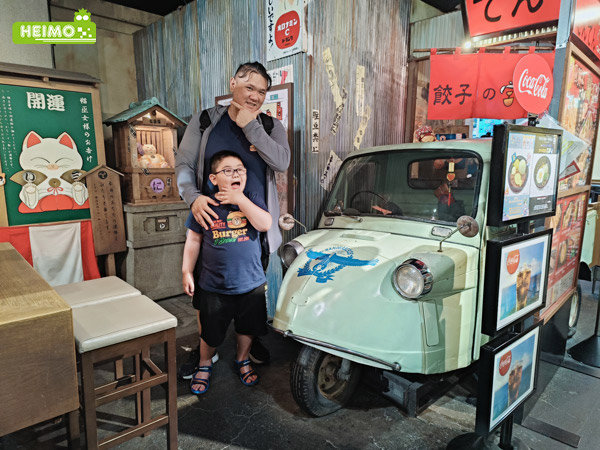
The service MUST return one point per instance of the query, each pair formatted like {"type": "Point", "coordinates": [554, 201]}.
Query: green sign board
{"type": "Point", "coordinates": [47, 142]}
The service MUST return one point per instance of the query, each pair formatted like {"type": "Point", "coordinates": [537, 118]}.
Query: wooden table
{"type": "Point", "coordinates": [38, 375]}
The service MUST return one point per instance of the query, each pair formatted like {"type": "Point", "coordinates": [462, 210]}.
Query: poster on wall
{"type": "Point", "coordinates": [575, 157]}
{"type": "Point", "coordinates": [586, 27]}
{"type": "Point", "coordinates": [528, 158]}
{"type": "Point", "coordinates": [579, 113]}
{"type": "Point", "coordinates": [568, 225]}
{"type": "Point", "coordinates": [279, 104]}
{"type": "Point", "coordinates": [285, 27]}
{"type": "Point", "coordinates": [48, 143]}
{"type": "Point", "coordinates": [507, 377]}
{"type": "Point", "coordinates": [515, 284]}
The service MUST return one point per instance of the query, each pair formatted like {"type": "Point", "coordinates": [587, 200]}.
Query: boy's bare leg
{"type": "Point", "coordinates": [244, 341]}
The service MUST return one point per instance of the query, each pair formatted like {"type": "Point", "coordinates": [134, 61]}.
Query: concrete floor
{"type": "Point", "coordinates": [267, 417]}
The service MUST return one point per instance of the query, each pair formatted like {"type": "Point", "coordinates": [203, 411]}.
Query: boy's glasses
{"type": "Point", "coordinates": [229, 172]}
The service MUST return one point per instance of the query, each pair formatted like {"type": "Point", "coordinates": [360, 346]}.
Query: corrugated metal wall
{"type": "Point", "coordinates": [186, 60]}
{"type": "Point", "coordinates": [445, 31]}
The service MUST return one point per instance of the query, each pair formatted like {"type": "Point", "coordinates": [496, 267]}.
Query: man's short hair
{"type": "Point", "coordinates": [220, 156]}
{"type": "Point", "coordinates": [253, 67]}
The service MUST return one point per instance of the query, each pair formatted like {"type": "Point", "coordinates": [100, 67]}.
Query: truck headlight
{"type": "Point", "coordinates": [412, 279]}
{"type": "Point", "coordinates": [290, 251]}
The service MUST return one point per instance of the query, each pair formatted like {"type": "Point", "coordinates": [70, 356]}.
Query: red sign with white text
{"type": "Point", "coordinates": [475, 85]}
{"type": "Point", "coordinates": [587, 25]}
{"type": "Point", "coordinates": [287, 29]}
{"type": "Point", "coordinates": [494, 16]}
{"type": "Point", "coordinates": [533, 83]}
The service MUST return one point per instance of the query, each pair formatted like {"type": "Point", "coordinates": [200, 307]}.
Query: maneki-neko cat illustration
{"type": "Point", "coordinates": [52, 170]}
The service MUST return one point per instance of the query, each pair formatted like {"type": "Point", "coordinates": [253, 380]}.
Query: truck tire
{"type": "Point", "coordinates": [575, 310]}
{"type": "Point", "coordinates": [315, 384]}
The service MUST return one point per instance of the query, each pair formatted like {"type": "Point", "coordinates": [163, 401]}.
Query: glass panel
{"type": "Point", "coordinates": [408, 184]}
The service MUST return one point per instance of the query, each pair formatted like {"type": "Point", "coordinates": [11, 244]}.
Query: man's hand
{"type": "Point", "coordinates": [202, 211]}
{"type": "Point", "coordinates": [244, 116]}
{"type": "Point", "coordinates": [229, 197]}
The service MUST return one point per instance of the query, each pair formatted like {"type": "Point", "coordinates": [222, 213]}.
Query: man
{"type": "Point", "coordinates": [238, 128]}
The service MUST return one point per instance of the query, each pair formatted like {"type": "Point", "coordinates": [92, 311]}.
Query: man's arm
{"type": "Point", "coordinates": [186, 162]}
{"type": "Point", "coordinates": [186, 172]}
{"type": "Point", "coordinates": [273, 149]}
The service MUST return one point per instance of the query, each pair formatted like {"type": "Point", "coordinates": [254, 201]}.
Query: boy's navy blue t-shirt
{"type": "Point", "coordinates": [230, 251]}
{"type": "Point", "coordinates": [226, 135]}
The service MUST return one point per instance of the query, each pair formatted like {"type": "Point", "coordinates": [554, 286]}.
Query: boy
{"type": "Point", "coordinates": [231, 284]}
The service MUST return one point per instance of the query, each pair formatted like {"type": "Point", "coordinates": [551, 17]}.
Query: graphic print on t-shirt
{"type": "Point", "coordinates": [233, 229]}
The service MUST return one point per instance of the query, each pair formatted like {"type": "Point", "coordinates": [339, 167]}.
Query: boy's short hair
{"type": "Point", "coordinates": [220, 156]}
{"type": "Point", "coordinates": [254, 67]}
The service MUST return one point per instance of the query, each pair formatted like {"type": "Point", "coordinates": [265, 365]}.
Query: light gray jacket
{"type": "Point", "coordinates": [273, 149]}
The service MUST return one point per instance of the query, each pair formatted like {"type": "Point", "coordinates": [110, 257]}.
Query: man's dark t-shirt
{"type": "Point", "coordinates": [226, 135]}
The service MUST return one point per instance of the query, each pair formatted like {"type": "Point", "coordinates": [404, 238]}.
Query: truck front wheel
{"type": "Point", "coordinates": [322, 383]}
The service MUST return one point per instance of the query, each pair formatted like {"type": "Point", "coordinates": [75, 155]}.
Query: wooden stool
{"type": "Point", "coordinates": [113, 330]}
{"type": "Point", "coordinates": [90, 292]}
{"type": "Point", "coordinates": [96, 291]}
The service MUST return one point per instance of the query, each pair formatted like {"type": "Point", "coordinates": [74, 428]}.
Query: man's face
{"type": "Point", "coordinates": [236, 181]}
{"type": "Point", "coordinates": [249, 90]}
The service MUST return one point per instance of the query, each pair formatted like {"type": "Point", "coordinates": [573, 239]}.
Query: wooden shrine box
{"type": "Point", "coordinates": [37, 354]}
{"type": "Point", "coordinates": [146, 122]}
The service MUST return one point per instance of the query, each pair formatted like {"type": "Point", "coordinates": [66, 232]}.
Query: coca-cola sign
{"type": "Point", "coordinates": [512, 261]}
{"type": "Point", "coordinates": [505, 362]}
{"type": "Point", "coordinates": [533, 83]}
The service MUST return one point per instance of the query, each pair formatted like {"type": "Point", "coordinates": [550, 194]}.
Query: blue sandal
{"type": "Point", "coordinates": [244, 376]}
{"type": "Point", "coordinates": [201, 381]}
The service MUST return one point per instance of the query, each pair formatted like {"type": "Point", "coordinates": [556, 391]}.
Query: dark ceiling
{"type": "Point", "coordinates": [443, 5]}
{"type": "Point", "coordinates": [164, 7]}
{"type": "Point", "coordinates": [160, 7]}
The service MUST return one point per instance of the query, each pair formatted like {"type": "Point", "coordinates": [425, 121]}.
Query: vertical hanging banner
{"type": "Point", "coordinates": [453, 85]}
{"type": "Point", "coordinates": [285, 23]}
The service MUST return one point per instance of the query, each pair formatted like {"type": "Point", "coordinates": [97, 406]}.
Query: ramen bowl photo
{"type": "Point", "coordinates": [517, 174]}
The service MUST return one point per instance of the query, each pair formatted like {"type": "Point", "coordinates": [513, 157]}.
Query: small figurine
{"type": "Point", "coordinates": [150, 159]}
{"type": "Point", "coordinates": [424, 133]}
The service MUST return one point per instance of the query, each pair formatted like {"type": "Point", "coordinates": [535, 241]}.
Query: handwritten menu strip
{"type": "Point", "coordinates": [106, 211]}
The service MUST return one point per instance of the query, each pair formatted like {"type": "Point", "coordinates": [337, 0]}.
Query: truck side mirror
{"type": "Point", "coordinates": [465, 225]}
{"type": "Point", "coordinates": [287, 222]}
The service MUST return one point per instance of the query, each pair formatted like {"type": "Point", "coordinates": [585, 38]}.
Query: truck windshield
{"type": "Point", "coordinates": [424, 185]}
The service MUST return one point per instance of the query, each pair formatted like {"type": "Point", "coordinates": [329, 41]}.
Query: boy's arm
{"type": "Point", "coordinates": [191, 250]}
{"type": "Point", "coordinates": [258, 217]}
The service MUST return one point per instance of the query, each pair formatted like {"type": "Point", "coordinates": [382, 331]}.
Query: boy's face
{"type": "Point", "coordinates": [249, 90]}
{"type": "Point", "coordinates": [235, 182]}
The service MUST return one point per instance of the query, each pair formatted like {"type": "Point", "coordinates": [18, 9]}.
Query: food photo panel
{"type": "Point", "coordinates": [516, 278]}
{"type": "Point", "coordinates": [508, 368]}
{"type": "Point", "coordinates": [528, 158]}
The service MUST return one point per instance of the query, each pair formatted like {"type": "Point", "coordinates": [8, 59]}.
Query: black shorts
{"type": "Point", "coordinates": [248, 311]}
